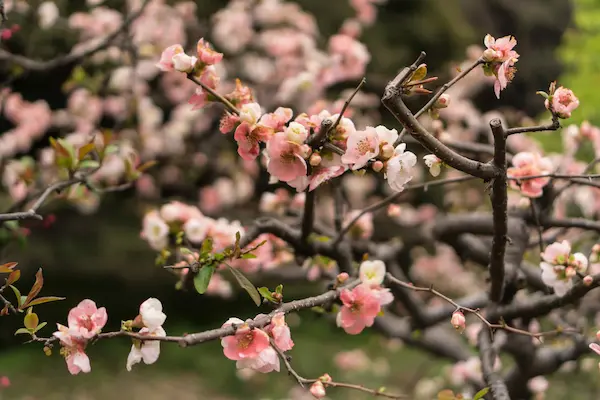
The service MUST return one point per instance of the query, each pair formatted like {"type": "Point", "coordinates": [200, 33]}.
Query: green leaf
{"type": "Point", "coordinates": [279, 289]}
{"type": "Point", "coordinates": [22, 331]}
{"type": "Point", "coordinates": [207, 246]}
{"type": "Point", "coordinates": [246, 285]}
{"type": "Point", "coordinates": [248, 255]}
{"type": "Point", "coordinates": [89, 164]}
{"type": "Point", "coordinates": [42, 300]}
{"type": "Point", "coordinates": [40, 326]}
{"type": "Point", "coordinates": [479, 395]}
{"type": "Point", "coordinates": [266, 293]}
{"type": "Point", "coordinates": [17, 295]}
{"type": "Point", "coordinates": [202, 280]}
{"type": "Point", "coordinates": [31, 321]}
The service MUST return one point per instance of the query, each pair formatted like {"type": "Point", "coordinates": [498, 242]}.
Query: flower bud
{"type": "Point", "coordinates": [443, 101]}
{"type": "Point", "coordinates": [570, 272]}
{"type": "Point", "coordinates": [315, 159]}
{"type": "Point", "coordinates": [318, 390]}
{"type": "Point", "coordinates": [587, 281]}
{"type": "Point", "coordinates": [377, 166]}
{"type": "Point", "coordinates": [305, 150]}
{"type": "Point", "coordinates": [458, 321]}
{"type": "Point", "coordinates": [387, 151]}
{"type": "Point", "coordinates": [325, 378]}
{"type": "Point", "coordinates": [342, 277]}
{"type": "Point", "coordinates": [393, 210]}
{"type": "Point", "coordinates": [489, 55]}
{"type": "Point", "coordinates": [184, 63]}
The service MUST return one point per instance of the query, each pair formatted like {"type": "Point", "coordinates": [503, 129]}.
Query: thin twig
{"type": "Point", "coordinates": [213, 93]}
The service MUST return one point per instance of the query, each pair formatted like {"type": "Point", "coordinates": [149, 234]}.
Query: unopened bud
{"type": "Point", "coordinates": [315, 159]}
{"type": "Point", "coordinates": [325, 378]}
{"type": "Point", "coordinates": [342, 277]}
{"type": "Point", "coordinates": [443, 101]}
{"type": "Point", "coordinates": [570, 272]}
{"type": "Point", "coordinates": [587, 281]}
{"type": "Point", "coordinates": [318, 390]}
{"type": "Point", "coordinates": [489, 55]}
{"type": "Point", "coordinates": [305, 151]}
{"type": "Point", "coordinates": [596, 248]}
{"type": "Point", "coordinates": [377, 166]}
{"type": "Point", "coordinates": [458, 321]}
{"type": "Point", "coordinates": [387, 151]}
{"type": "Point", "coordinates": [393, 210]}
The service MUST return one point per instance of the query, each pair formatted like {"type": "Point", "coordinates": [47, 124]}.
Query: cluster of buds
{"type": "Point", "coordinates": [317, 389]}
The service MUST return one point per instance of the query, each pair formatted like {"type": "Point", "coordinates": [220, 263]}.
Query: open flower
{"type": "Point", "coordinates": [206, 54]}
{"type": "Point", "coordinates": [398, 172]}
{"type": "Point", "coordinates": [372, 273]}
{"type": "Point", "coordinates": [245, 343]}
{"type": "Point", "coordinates": [360, 307]}
{"type": "Point", "coordinates": [73, 349]}
{"type": "Point", "coordinates": [155, 230]}
{"type": "Point", "coordinates": [530, 164]}
{"type": "Point", "coordinates": [153, 318]}
{"type": "Point", "coordinates": [86, 320]}
{"type": "Point", "coordinates": [559, 266]}
{"type": "Point", "coordinates": [285, 161]}
{"type": "Point", "coordinates": [361, 147]}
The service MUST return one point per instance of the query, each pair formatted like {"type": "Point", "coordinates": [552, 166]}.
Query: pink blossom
{"type": "Point", "coordinates": [530, 164]}
{"type": "Point", "coordinates": [504, 73]}
{"type": "Point", "coordinates": [318, 390]}
{"type": "Point", "coordinates": [559, 266]}
{"type": "Point", "coordinates": [166, 58]}
{"type": "Point", "coordinates": [277, 119]}
{"type": "Point", "coordinates": [280, 332]}
{"type": "Point", "coordinates": [563, 103]}
{"type": "Point", "coordinates": [361, 147]}
{"type": "Point", "coordinates": [360, 307]}
{"type": "Point", "coordinates": [4, 381]}
{"type": "Point", "coordinates": [266, 361]}
{"type": "Point", "coordinates": [245, 343]}
{"type": "Point", "coordinates": [183, 63]}
{"type": "Point", "coordinates": [354, 360]}
{"type": "Point", "coordinates": [206, 54]}
{"type": "Point", "coordinates": [434, 163]}
{"type": "Point", "coordinates": [86, 320]}
{"type": "Point", "coordinates": [73, 349]}
{"type": "Point", "coordinates": [499, 50]}
{"type": "Point", "coordinates": [458, 321]}
{"type": "Point", "coordinates": [285, 161]}
{"type": "Point", "coordinates": [147, 351]}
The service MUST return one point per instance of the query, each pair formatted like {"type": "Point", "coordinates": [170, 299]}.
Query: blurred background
{"type": "Point", "coordinates": [102, 257]}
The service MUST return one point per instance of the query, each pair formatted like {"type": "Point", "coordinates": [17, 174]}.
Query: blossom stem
{"type": "Point", "coordinates": [216, 95]}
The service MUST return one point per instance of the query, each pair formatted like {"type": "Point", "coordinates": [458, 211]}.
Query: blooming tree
{"type": "Point", "coordinates": [150, 96]}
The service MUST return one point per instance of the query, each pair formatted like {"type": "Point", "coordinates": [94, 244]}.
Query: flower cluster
{"type": "Point", "coordinates": [527, 164]}
{"type": "Point", "coordinates": [559, 265]}
{"type": "Point", "coordinates": [362, 304]}
{"type": "Point", "coordinates": [252, 348]}
{"type": "Point", "coordinates": [500, 60]}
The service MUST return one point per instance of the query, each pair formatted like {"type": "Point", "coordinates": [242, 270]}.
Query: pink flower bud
{"type": "Point", "coordinates": [587, 281]}
{"type": "Point", "coordinates": [318, 390]}
{"type": "Point", "coordinates": [570, 272]}
{"type": "Point", "coordinates": [184, 63]}
{"type": "Point", "coordinates": [596, 248]}
{"type": "Point", "coordinates": [489, 55]}
{"type": "Point", "coordinates": [315, 159]}
{"type": "Point", "coordinates": [458, 321]}
{"type": "Point", "coordinates": [377, 166]}
{"type": "Point", "coordinates": [598, 335]}
{"type": "Point", "coordinates": [4, 381]}
{"type": "Point", "coordinates": [342, 277]}
{"type": "Point", "coordinates": [305, 150]}
{"type": "Point", "coordinates": [443, 101]}
{"type": "Point", "coordinates": [393, 210]}
{"type": "Point", "coordinates": [387, 151]}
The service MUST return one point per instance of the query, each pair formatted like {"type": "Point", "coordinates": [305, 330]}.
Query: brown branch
{"type": "Point", "coordinates": [555, 125]}
{"type": "Point", "coordinates": [213, 93]}
{"type": "Point", "coordinates": [392, 100]}
{"type": "Point", "coordinates": [74, 56]}
{"type": "Point", "coordinates": [499, 198]}
{"type": "Point", "coordinates": [487, 355]}
{"type": "Point", "coordinates": [303, 381]}
{"type": "Point", "coordinates": [441, 91]}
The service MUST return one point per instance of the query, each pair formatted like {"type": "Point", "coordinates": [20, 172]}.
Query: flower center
{"type": "Point", "coordinates": [363, 147]}
{"type": "Point", "coordinates": [245, 341]}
